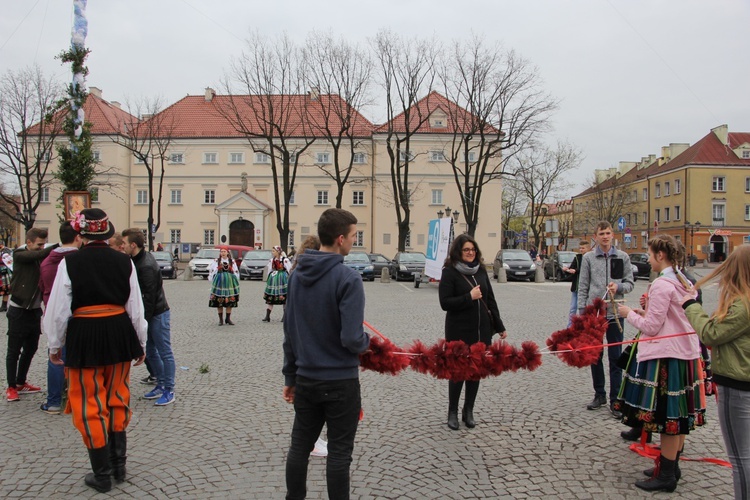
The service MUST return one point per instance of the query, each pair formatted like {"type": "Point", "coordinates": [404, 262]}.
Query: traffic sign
{"type": "Point", "coordinates": [628, 237]}
{"type": "Point", "coordinates": [621, 224]}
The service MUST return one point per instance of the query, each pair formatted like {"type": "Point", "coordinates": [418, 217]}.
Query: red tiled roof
{"type": "Point", "coordinates": [458, 118]}
{"type": "Point", "coordinates": [707, 151]}
{"type": "Point", "coordinates": [194, 116]}
{"type": "Point", "coordinates": [103, 116]}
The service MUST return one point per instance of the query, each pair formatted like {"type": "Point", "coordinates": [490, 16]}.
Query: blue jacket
{"type": "Point", "coordinates": [325, 308]}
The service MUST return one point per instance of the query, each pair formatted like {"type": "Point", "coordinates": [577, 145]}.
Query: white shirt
{"type": "Point", "coordinates": [58, 311]}
{"type": "Point", "coordinates": [214, 268]}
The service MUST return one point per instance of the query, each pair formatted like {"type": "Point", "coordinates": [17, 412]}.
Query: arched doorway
{"type": "Point", "coordinates": [241, 232]}
{"type": "Point", "coordinates": [718, 248]}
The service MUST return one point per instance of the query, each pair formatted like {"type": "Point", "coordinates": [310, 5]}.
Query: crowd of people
{"type": "Point", "coordinates": [99, 299]}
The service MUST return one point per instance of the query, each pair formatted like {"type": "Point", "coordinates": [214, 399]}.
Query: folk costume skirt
{"type": "Point", "coordinates": [5, 276]}
{"type": "Point", "coordinates": [225, 290]}
{"type": "Point", "coordinates": [276, 288]}
{"type": "Point", "coordinates": [665, 395]}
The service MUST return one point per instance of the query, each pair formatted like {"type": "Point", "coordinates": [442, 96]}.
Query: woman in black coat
{"type": "Point", "coordinates": [471, 314]}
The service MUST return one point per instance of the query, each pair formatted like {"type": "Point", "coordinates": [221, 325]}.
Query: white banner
{"type": "Point", "coordinates": [437, 246]}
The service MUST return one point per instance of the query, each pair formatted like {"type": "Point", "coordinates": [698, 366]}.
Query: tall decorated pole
{"type": "Point", "coordinates": [77, 167]}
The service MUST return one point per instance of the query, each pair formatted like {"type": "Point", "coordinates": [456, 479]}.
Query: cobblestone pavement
{"type": "Point", "coordinates": [227, 434]}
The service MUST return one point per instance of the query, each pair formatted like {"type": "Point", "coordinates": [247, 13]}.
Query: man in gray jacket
{"type": "Point", "coordinates": [605, 272]}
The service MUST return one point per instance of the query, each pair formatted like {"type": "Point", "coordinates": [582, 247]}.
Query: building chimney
{"type": "Point", "coordinates": [722, 132]}
{"type": "Point", "coordinates": [314, 93]}
{"type": "Point", "coordinates": [210, 94]}
{"type": "Point", "coordinates": [96, 92]}
{"type": "Point", "coordinates": [115, 104]}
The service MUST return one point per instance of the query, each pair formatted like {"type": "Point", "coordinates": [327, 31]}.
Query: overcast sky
{"type": "Point", "coordinates": [631, 75]}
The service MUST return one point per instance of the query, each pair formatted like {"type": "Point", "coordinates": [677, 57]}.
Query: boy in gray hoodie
{"type": "Point", "coordinates": [605, 271]}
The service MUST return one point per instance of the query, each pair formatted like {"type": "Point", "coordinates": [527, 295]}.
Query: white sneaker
{"type": "Point", "coordinates": [321, 449]}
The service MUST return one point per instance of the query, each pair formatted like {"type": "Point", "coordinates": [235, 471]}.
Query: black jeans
{"type": "Point", "coordinates": [614, 335]}
{"type": "Point", "coordinates": [337, 404]}
{"type": "Point", "coordinates": [24, 329]}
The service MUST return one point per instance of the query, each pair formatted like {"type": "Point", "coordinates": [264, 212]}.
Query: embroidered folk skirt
{"type": "Point", "coordinates": [664, 395]}
{"type": "Point", "coordinates": [225, 290]}
{"type": "Point", "coordinates": [276, 288]}
{"type": "Point", "coordinates": [5, 275]}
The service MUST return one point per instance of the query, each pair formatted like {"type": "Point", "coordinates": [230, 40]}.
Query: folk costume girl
{"type": "Point", "coordinates": [6, 273]}
{"type": "Point", "coordinates": [225, 285]}
{"type": "Point", "coordinates": [471, 315]}
{"type": "Point", "coordinates": [663, 387]}
{"type": "Point", "coordinates": [278, 280]}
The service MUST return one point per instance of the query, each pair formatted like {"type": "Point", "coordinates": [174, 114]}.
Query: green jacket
{"type": "Point", "coordinates": [24, 287]}
{"type": "Point", "coordinates": [729, 339]}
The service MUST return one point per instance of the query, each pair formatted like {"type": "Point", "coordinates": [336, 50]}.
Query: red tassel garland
{"type": "Point", "coordinates": [380, 357]}
{"type": "Point", "coordinates": [586, 330]}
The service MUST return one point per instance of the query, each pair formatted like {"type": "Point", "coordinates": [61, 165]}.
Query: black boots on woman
{"type": "Point", "coordinates": [453, 419]}
{"type": "Point", "coordinates": [267, 319]}
{"type": "Point", "coordinates": [663, 480]}
{"type": "Point", "coordinates": [228, 319]}
{"type": "Point", "coordinates": [468, 417]}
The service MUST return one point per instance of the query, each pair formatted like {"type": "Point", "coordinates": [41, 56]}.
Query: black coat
{"type": "Point", "coordinates": [467, 319]}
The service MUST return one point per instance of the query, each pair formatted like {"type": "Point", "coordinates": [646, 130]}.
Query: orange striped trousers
{"type": "Point", "coordinates": [99, 400]}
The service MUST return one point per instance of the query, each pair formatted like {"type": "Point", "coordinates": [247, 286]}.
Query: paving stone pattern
{"type": "Point", "coordinates": [227, 434]}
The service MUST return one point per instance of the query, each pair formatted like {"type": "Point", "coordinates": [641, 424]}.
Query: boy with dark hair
{"type": "Point", "coordinates": [605, 273]}
{"type": "Point", "coordinates": [71, 241]}
{"type": "Point", "coordinates": [25, 313]}
{"type": "Point", "coordinates": [321, 357]}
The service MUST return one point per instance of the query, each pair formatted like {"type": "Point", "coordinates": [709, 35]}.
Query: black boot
{"type": "Point", "coordinates": [665, 480]}
{"type": "Point", "coordinates": [99, 479]}
{"type": "Point", "coordinates": [677, 470]}
{"type": "Point", "coordinates": [228, 321]}
{"type": "Point", "coordinates": [221, 319]}
{"type": "Point", "coordinates": [468, 417]}
{"type": "Point", "coordinates": [634, 434]}
{"type": "Point", "coordinates": [267, 319]}
{"type": "Point", "coordinates": [118, 446]}
{"type": "Point", "coordinates": [453, 419]}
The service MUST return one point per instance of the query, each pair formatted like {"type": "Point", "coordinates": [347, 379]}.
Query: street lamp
{"type": "Point", "coordinates": [692, 228]}
{"type": "Point", "coordinates": [27, 218]}
{"type": "Point", "coordinates": [440, 214]}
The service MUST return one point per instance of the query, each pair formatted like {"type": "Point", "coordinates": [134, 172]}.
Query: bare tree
{"type": "Point", "coordinates": [147, 133]}
{"type": "Point", "coordinates": [511, 209]}
{"type": "Point", "coordinates": [271, 113]}
{"type": "Point", "coordinates": [338, 74]}
{"type": "Point", "coordinates": [608, 199]}
{"type": "Point", "coordinates": [8, 224]}
{"type": "Point", "coordinates": [407, 72]}
{"type": "Point", "coordinates": [540, 171]}
{"type": "Point", "coordinates": [29, 126]}
{"type": "Point", "coordinates": [501, 107]}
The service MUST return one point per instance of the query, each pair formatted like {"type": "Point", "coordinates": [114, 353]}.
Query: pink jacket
{"type": "Point", "coordinates": [665, 316]}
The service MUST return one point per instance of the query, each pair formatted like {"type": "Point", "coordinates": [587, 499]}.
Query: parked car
{"type": "Point", "coordinates": [553, 266]}
{"type": "Point", "coordinates": [167, 264]}
{"type": "Point", "coordinates": [253, 264]}
{"type": "Point", "coordinates": [199, 264]}
{"type": "Point", "coordinates": [517, 264]}
{"type": "Point", "coordinates": [360, 262]}
{"type": "Point", "coordinates": [237, 252]}
{"type": "Point", "coordinates": [379, 261]}
{"type": "Point", "coordinates": [405, 264]}
{"type": "Point", "coordinates": [640, 260]}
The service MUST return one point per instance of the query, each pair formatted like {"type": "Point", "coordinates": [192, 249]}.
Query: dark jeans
{"type": "Point", "coordinates": [614, 334]}
{"type": "Point", "coordinates": [337, 404]}
{"type": "Point", "coordinates": [24, 329]}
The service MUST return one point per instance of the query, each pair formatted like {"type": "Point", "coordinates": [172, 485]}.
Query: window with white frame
{"type": "Point", "coordinates": [437, 197]}
{"type": "Point", "coordinates": [437, 156]}
{"type": "Point", "coordinates": [47, 156]}
{"type": "Point", "coordinates": [175, 235]}
{"type": "Point", "coordinates": [292, 158]}
{"type": "Point", "coordinates": [402, 155]}
{"type": "Point", "coordinates": [323, 158]}
{"type": "Point", "coordinates": [629, 219]}
{"type": "Point", "coordinates": [645, 194]}
{"type": "Point", "coordinates": [677, 212]}
{"type": "Point", "coordinates": [747, 212]}
{"type": "Point", "coordinates": [657, 215]}
{"type": "Point", "coordinates": [667, 187]}
{"type": "Point", "coordinates": [175, 197]}
{"type": "Point", "coordinates": [291, 198]}
{"type": "Point", "coordinates": [359, 158]}
{"type": "Point", "coordinates": [209, 196]}
{"type": "Point", "coordinates": [236, 157]}
{"type": "Point", "coordinates": [209, 236]}
{"type": "Point", "coordinates": [718, 210]}
{"type": "Point", "coordinates": [657, 193]}
{"type": "Point", "coordinates": [290, 239]}
{"type": "Point", "coordinates": [359, 240]}
{"type": "Point", "coordinates": [322, 197]}
{"type": "Point", "coordinates": [644, 243]}
{"type": "Point", "coordinates": [96, 155]}
{"type": "Point", "coordinates": [635, 241]}
{"type": "Point", "coordinates": [677, 186]}
{"type": "Point", "coordinates": [747, 184]}
{"type": "Point", "coordinates": [210, 158]}
{"type": "Point", "coordinates": [746, 153]}
{"type": "Point", "coordinates": [358, 197]}
{"type": "Point", "coordinates": [470, 157]}
{"type": "Point", "coordinates": [644, 215]}
{"type": "Point", "coordinates": [718, 183]}
{"type": "Point", "coordinates": [635, 219]}
{"type": "Point", "coordinates": [177, 158]}
{"type": "Point", "coordinates": [141, 197]}
{"type": "Point", "coordinates": [44, 195]}
{"type": "Point", "coordinates": [667, 214]}
{"type": "Point", "coordinates": [262, 158]}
